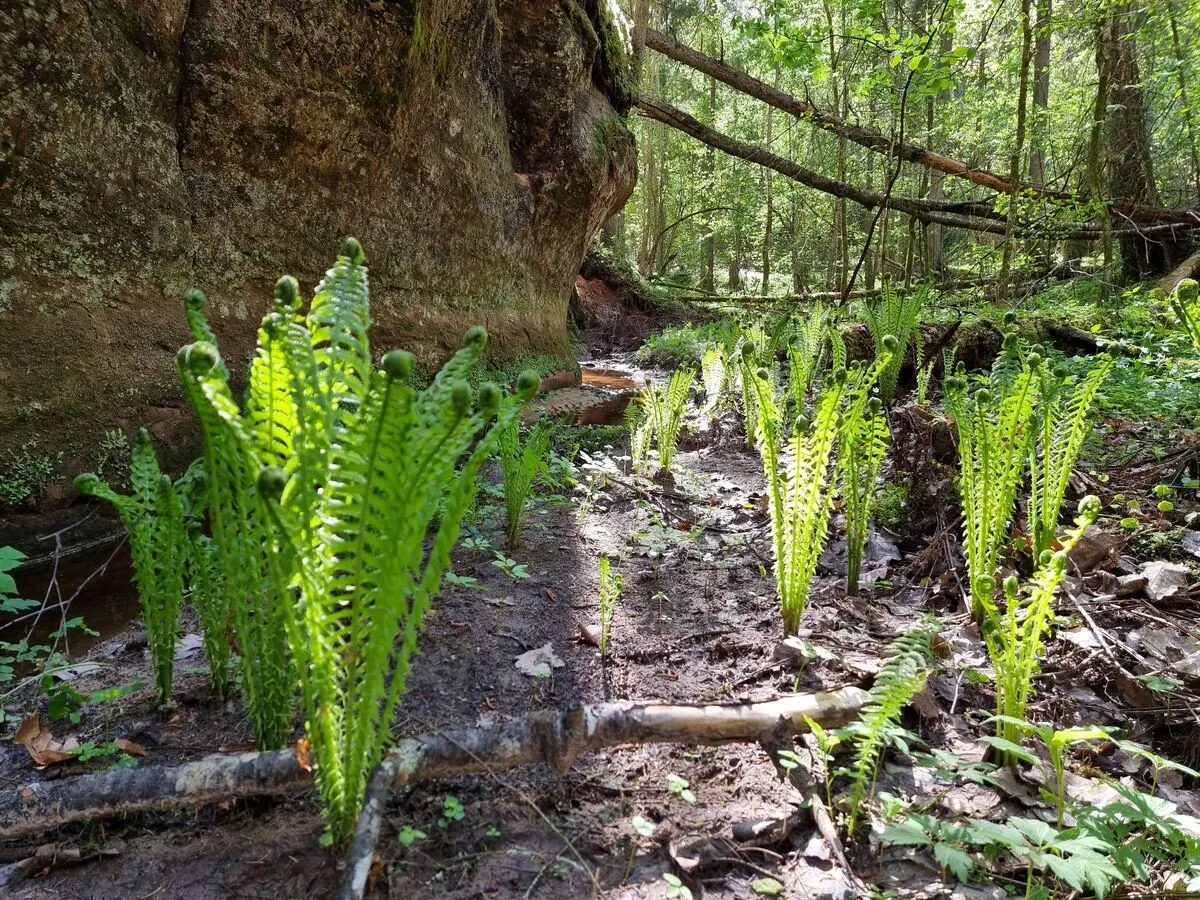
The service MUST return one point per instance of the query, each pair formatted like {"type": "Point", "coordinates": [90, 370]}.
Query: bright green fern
{"type": "Point", "coordinates": [153, 517]}
{"type": "Point", "coordinates": [862, 445]}
{"type": "Point", "coordinates": [1185, 302]}
{"type": "Point", "coordinates": [1063, 420]}
{"type": "Point", "coordinates": [896, 314]}
{"type": "Point", "coordinates": [665, 406]}
{"type": "Point", "coordinates": [714, 377]}
{"type": "Point", "coordinates": [520, 463]}
{"type": "Point", "coordinates": [994, 434]}
{"type": "Point", "coordinates": [901, 678]}
{"type": "Point", "coordinates": [1014, 637]}
{"type": "Point", "coordinates": [798, 473]}
{"type": "Point", "coordinates": [324, 490]}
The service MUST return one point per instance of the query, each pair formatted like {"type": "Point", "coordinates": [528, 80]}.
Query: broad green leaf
{"type": "Point", "coordinates": [905, 833]}
{"type": "Point", "coordinates": [956, 860]}
{"type": "Point", "coordinates": [766, 887]}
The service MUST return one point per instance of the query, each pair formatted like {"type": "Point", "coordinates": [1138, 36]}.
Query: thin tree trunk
{"type": "Point", "coordinates": [768, 224]}
{"type": "Point", "coordinates": [1018, 154]}
{"type": "Point", "coordinates": [1041, 94]}
{"type": "Point", "coordinates": [1181, 69]}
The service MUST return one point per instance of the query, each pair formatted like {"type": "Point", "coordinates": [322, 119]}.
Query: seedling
{"type": "Point", "coordinates": [512, 569]}
{"type": "Point", "coordinates": [679, 787]}
{"type": "Point", "coordinates": [452, 811]}
{"type": "Point", "coordinates": [610, 591]}
{"type": "Point", "coordinates": [676, 889]}
{"type": "Point", "coordinates": [409, 836]}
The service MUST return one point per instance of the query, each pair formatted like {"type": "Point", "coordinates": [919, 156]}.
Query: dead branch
{"type": "Point", "coordinates": [1189, 268]}
{"type": "Point", "coordinates": [555, 737]}
{"type": "Point", "coordinates": [877, 141]}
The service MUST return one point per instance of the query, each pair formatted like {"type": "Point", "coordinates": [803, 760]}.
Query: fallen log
{"type": "Point", "coordinates": [1189, 268]}
{"type": "Point", "coordinates": [875, 140]}
{"type": "Point", "coordinates": [555, 737]}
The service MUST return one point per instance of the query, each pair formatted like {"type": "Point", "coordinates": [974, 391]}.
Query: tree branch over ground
{"type": "Point", "coordinates": [555, 737]}
{"type": "Point", "coordinates": [971, 216]}
{"type": "Point", "coordinates": [877, 141]}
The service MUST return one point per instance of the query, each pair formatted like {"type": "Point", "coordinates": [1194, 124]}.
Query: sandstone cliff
{"type": "Point", "coordinates": [474, 146]}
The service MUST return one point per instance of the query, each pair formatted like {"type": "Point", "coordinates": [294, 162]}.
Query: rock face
{"type": "Point", "coordinates": [473, 146]}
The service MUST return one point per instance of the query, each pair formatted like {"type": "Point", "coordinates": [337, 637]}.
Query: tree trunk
{"type": "Point", "coordinates": [1018, 154]}
{"type": "Point", "coordinates": [1041, 94]}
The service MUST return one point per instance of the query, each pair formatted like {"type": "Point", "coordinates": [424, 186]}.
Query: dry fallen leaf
{"type": "Point", "coordinates": [39, 743]}
{"type": "Point", "coordinates": [588, 634]}
{"type": "Point", "coordinates": [130, 747]}
{"type": "Point", "coordinates": [304, 754]}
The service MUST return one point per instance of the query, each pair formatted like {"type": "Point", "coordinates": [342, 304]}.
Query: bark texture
{"type": "Point", "coordinates": [473, 146]}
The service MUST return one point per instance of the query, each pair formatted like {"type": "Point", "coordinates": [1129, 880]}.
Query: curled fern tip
{"type": "Point", "coordinates": [460, 397]}
{"type": "Point", "coordinates": [193, 299]}
{"type": "Point", "coordinates": [527, 384]}
{"type": "Point", "coordinates": [271, 481]}
{"type": "Point", "coordinates": [86, 482]}
{"type": "Point", "coordinates": [1188, 290]}
{"type": "Point", "coordinates": [489, 396]}
{"type": "Point", "coordinates": [398, 364]}
{"type": "Point", "coordinates": [891, 343]}
{"type": "Point", "coordinates": [287, 292]}
{"type": "Point", "coordinates": [353, 251]}
{"type": "Point", "coordinates": [199, 357]}
{"type": "Point", "coordinates": [476, 336]}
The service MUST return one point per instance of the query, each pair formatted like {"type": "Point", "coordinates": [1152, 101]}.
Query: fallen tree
{"type": "Point", "coordinates": [875, 140]}
{"type": "Point", "coordinates": [554, 737]}
{"type": "Point", "coordinates": [968, 215]}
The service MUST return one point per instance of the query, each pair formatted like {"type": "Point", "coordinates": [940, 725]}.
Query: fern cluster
{"type": "Point", "coordinates": [994, 435]}
{"type": "Point", "coordinates": [896, 314]}
{"type": "Point", "coordinates": [1185, 302]}
{"type": "Point", "coordinates": [520, 463]}
{"type": "Point", "coordinates": [807, 356]}
{"type": "Point", "coordinates": [153, 518]}
{"type": "Point", "coordinates": [663, 408]}
{"type": "Point", "coordinates": [1014, 637]}
{"type": "Point", "coordinates": [798, 472]}
{"type": "Point", "coordinates": [1064, 420]}
{"type": "Point", "coordinates": [322, 491]}
{"type": "Point", "coordinates": [862, 445]}
{"type": "Point", "coordinates": [903, 674]}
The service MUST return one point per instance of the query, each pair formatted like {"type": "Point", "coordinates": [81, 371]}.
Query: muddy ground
{"type": "Point", "coordinates": [697, 622]}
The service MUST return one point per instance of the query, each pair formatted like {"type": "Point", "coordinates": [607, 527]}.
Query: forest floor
{"type": "Point", "coordinates": [697, 621]}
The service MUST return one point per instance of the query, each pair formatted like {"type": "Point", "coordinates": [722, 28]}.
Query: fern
{"type": "Point", "coordinates": [994, 434]}
{"type": "Point", "coordinates": [520, 464]}
{"type": "Point", "coordinates": [639, 435]}
{"type": "Point", "coordinates": [153, 517]}
{"type": "Point", "coordinates": [1185, 302]}
{"type": "Point", "coordinates": [806, 357]}
{"type": "Point", "coordinates": [1063, 422]}
{"type": "Point", "coordinates": [713, 376]}
{"type": "Point", "coordinates": [903, 675]}
{"type": "Point", "coordinates": [862, 445]}
{"type": "Point", "coordinates": [1014, 638]}
{"type": "Point", "coordinates": [611, 584]}
{"type": "Point", "coordinates": [326, 544]}
{"type": "Point", "coordinates": [797, 470]}
{"type": "Point", "coordinates": [665, 406]}
{"type": "Point", "coordinates": [896, 314]}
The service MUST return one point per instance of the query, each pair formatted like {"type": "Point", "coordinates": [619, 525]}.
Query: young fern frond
{"type": "Point", "coordinates": [994, 434]}
{"type": "Point", "coordinates": [665, 407]}
{"type": "Point", "coordinates": [799, 477]}
{"type": "Point", "coordinates": [714, 377]}
{"type": "Point", "coordinates": [1014, 639]}
{"type": "Point", "coordinates": [639, 435]}
{"type": "Point", "coordinates": [806, 357]}
{"type": "Point", "coordinates": [1185, 302]}
{"type": "Point", "coordinates": [862, 446]}
{"type": "Point", "coordinates": [1063, 422]}
{"type": "Point", "coordinates": [153, 518]}
{"type": "Point", "coordinates": [902, 676]}
{"type": "Point", "coordinates": [520, 463]}
{"type": "Point", "coordinates": [610, 585]}
{"type": "Point", "coordinates": [837, 346]}
{"type": "Point", "coordinates": [898, 315]}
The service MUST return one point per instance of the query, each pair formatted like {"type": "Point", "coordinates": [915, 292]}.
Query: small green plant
{"type": "Point", "coordinates": [112, 456]}
{"type": "Point", "coordinates": [994, 434]}
{"type": "Point", "coordinates": [806, 357]}
{"type": "Point", "coordinates": [664, 408]}
{"type": "Point", "coordinates": [1014, 638]}
{"type": "Point", "coordinates": [1063, 421]}
{"type": "Point", "coordinates": [513, 570]}
{"type": "Point", "coordinates": [896, 314]}
{"type": "Point", "coordinates": [798, 474]}
{"type": "Point", "coordinates": [1185, 302]}
{"type": "Point", "coordinates": [409, 836]}
{"type": "Point", "coordinates": [10, 559]}
{"type": "Point", "coordinates": [452, 811]}
{"type": "Point", "coordinates": [862, 445]}
{"type": "Point", "coordinates": [322, 493]}
{"type": "Point", "coordinates": [521, 463]}
{"type": "Point", "coordinates": [153, 517]}
{"type": "Point", "coordinates": [902, 676]}
{"type": "Point", "coordinates": [25, 474]}
{"type": "Point", "coordinates": [676, 889]}
{"type": "Point", "coordinates": [611, 584]}
{"type": "Point", "coordinates": [679, 787]}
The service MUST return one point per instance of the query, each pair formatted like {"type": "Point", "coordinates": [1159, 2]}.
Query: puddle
{"type": "Point", "coordinates": [106, 599]}
{"type": "Point", "coordinates": [609, 378]}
